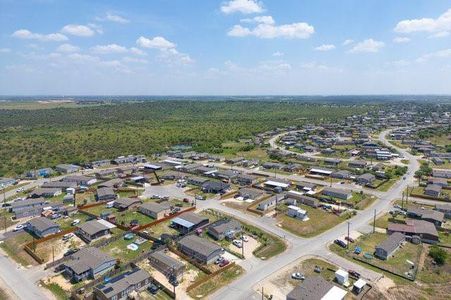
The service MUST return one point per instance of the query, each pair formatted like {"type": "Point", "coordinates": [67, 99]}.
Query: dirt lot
{"type": "Point", "coordinates": [58, 247]}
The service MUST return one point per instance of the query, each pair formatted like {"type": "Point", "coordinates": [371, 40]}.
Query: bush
{"type": "Point", "coordinates": [438, 254]}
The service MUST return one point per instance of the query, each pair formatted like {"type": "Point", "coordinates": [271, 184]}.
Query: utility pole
{"type": "Point", "coordinates": [347, 244]}
{"type": "Point", "coordinates": [263, 295]}
{"type": "Point", "coordinates": [242, 244]}
{"type": "Point", "coordinates": [402, 201]}
{"type": "Point", "coordinates": [53, 253]}
{"type": "Point", "coordinates": [374, 222]}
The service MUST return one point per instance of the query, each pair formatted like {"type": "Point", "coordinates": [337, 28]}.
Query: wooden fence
{"type": "Point", "coordinates": [139, 228]}
{"type": "Point", "coordinates": [211, 275]}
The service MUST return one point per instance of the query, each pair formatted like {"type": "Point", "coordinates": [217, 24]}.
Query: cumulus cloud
{"type": "Point", "coordinates": [109, 49]}
{"type": "Point", "coordinates": [445, 53]}
{"type": "Point", "coordinates": [368, 45]}
{"type": "Point", "coordinates": [28, 35]}
{"type": "Point", "coordinates": [242, 6]}
{"type": "Point", "coordinates": [267, 29]}
{"type": "Point", "coordinates": [325, 47]}
{"type": "Point", "coordinates": [401, 40]}
{"type": "Point", "coordinates": [67, 48]}
{"type": "Point", "coordinates": [157, 42]}
{"type": "Point", "coordinates": [428, 25]}
{"type": "Point", "coordinates": [116, 18]}
{"type": "Point", "coordinates": [348, 42]}
{"type": "Point", "coordinates": [78, 30]}
{"type": "Point", "coordinates": [260, 19]}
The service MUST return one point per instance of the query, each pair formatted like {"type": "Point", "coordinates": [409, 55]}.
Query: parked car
{"type": "Point", "coordinates": [70, 251]}
{"type": "Point", "coordinates": [199, 197]}
{"type": "Point", "coordinates": [350, 239]}
{"type": "Point", "coordinates": [68, 236]}
{"type": "Point", "coordinates": [340, 243]}
{"type": "Point", "coordinates": [298, 276]}
{"type": "Point", "coordinates": [317, 269]}
{"type": "Point", "coordinates": [186, 200]}
{"type": "Point", "coordinates": [238, 243]}
{"type": "Point", "coordinates": [75, 222]}
{"type": "Point", "coordinates": [19, 227]}
{"type": "Point", "coordinates": [219, 260]}
{"type": "Point", "coordinates": [354, 273]}
{"type": "Point", "coordinates": [153, 289]}
{"type": "Point", "coordinates": [244, 238]}
{"type": "Point", "coordinates": [224, 263]}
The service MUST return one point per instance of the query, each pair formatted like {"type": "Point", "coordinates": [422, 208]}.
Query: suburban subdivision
{"type": "Point", "coordinates": [354, 206]}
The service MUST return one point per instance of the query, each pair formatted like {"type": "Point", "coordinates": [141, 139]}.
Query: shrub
{"type": "Point", "coordinates": [438, 254]}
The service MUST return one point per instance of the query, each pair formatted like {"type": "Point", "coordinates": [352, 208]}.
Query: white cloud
{"type": "Point", "coordinates": [115, 18]}
{"type": "Point", "coordinates": [157, 42]}
{"type": "Point", "coordinates": [5, 50]}
{"type": "Point", "coordinates": [445, 53]}
{"type": "Point", "coordinates": [137, 51]}
{"type": "Point", "coordinates": [348, 42]}
{"type": "Point", "coordinates": [440, 34]}
{"type": "Point", "coordinates": [109, 49]}
{"type": "Point", "coordinates": [278, 54]}
{"type": "Point", "coordinates": [325, 47]}
{"type": "Point", "coordinates": [398, 63]}
{"type": "Point", "coordinates": [96, 27]}
{"type": "Point", "coordinates": [242, 6]}
{"type": "Point", "coordinates": [368, 45]}
{"type": "Point", "coordinates": [429, 25]}
{"type": "Point", "coordinates": [27, 34]}
{"type": "Point", "coordinates": [67, 48]}
{"type": "Point", "coordinates": [260, 19]}
{"type": "Point", "coordinates": [78, 30]}
{"type": "Point", "coordinates": [267, 29]}
{"type": "Point", "coordinates": [401, 40]}
{"type": "Point", "coordinates": [134, 60]}
{"type": "Point", "coordinates": [172, 56]}
{"type": "Point", "coordinates": [274, 66]}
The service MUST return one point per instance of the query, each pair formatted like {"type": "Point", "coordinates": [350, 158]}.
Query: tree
{"type": "Point", "coordinates": [438, 254]}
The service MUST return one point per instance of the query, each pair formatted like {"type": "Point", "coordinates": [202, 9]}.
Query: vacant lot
{"type": "Point", "coordinates": [14, 248]}
{"type": "Point", "coordinates": [119, 250]}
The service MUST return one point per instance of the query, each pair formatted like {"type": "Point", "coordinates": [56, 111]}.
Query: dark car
{"type": "Point", "coordinates": [340, 243]}
{"type": "Point", "coordinates": [350, 239]}
{"type": "Point", "coordinates": [71, 251]}
{"type": "Point", "coordinates": [354, 273]}
{"type": "Point", "coordinates": [224, 263]}
{"type": "Point", "coordinates": [153, 289]}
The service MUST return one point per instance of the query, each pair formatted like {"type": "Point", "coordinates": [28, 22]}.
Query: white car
{"type": "Point", "coordinates": [19, 227]}
{"type": "Point", "coordinates": [298, 276]}
{"type": "Point", "coordinates": [68, 236]}
{"type": "Point", "coordinates": [245, 239]}
{"type": "Point", "coordinates": [238, 243]}
{"type": "Point", "coordinates": [75, 222]}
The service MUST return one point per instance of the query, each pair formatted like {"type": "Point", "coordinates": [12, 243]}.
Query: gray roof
{"type": "Point", "coordinates": [443, 207]}
{"type": "Point", "coordinates": [192, 217]}
{"type": "Point", "coordinates": [44, 191]}
{"type": "Point", "coordinates": [112, 182]}
{"type": "Point", "coordinates": [92, 227]}
{"type": "Point", "coordinates": [59, 184]}
{"type": "Point", "coordinates": [224, 226]}
{"type": "Point", "coordinates": [27, 202]}
{"type": "Point", "coordinates": [126, 202]}
{"type": "Point", "coordinates": [392, 242]}
{"type": "Point", "coordinates": [168, 261]}
{"type": "Point", "coordinates": [199, 245]}
{"type": "Point", "coordinates": [105, 191]}
{"type": "Point", "coordinates": [313, 288]}
{"type": "Point", "coordinates": [41, 223]}
{"type": "Point", "coordinates": [155, 207]}
{"type": "Point", "coordinates": [122, 282]}
{"type": "Point", "coordinates": [86, 259]}
{"type": "Point", "coordinates": [337, 191]}
{"type": "Point", "coordinates": [367, 176]}
{"type": "Point", "coordinates": [427, 214]}
{"type": "Point", "coordinates": [433, 187]}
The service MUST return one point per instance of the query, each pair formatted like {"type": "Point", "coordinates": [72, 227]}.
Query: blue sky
{"type": "Point", "coordinates": [231, 47]}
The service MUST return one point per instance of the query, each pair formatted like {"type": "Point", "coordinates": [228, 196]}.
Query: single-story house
{"type": "Point", "coordinates": [250, 193]}
{"type": "Point", "coordinates": [320, 171]}
{"type": "Point", "coordinates": [245, 179]}
{"type": "Point", "coordinates": [200, 249]}
{"type": "Point", "coordinates": [195, 180]}
{"type": "Point", "coordinates": [302, 199]}
{"type": "Point", "coordinates": [88, 262]}
{"type": "Point", "coordinates": [215, 187]}
{"type": "Point", "coordinates": [429, 215]}
{"type": "Point", "coordinates": [60, 184]}
{"type": "Point", "coordinates": [80, 180]}
{"type": "Point", "coordinates": [112, 183]}
{"type": "Point", "coordinates": [167, 265]}
{"type": "Point", "coordinates": [357, 164]}
{"type": "Point", "coordinates": [276, 184]}
{"type": "Point", "coordinates": [306, 186]}
{"type": "Point", "coordinates": [366, 179]}
{"type": "Point", "coordinates": [42, 227]}
{"type": "Point", "coordinates": [316, 288]}
{"type": "Point", "coordinates": [444, 208]}
{"type": "Point", "coordinates": [46, 192]}
{"type": "Point", "coordinates": [106, 194]}
{"type": "Point", "coordinates": [423, 229]}
{"type": "Point", "coordinates": [6, 182]}
{"type": "Point", "coordinates": [224, 229]}
{"type": "Point", "coordinates": [433, 190]}
{"type": "Point", "coordinates": [341, 174]}
{"type": "Point", "coordinates": [119, 287]}
{"type": "Point", "coordinates": [127, 203]}
{"type": "Point", "coordinates": [94, 229]}
{"type": "Point", "coordinates": [386, 249]}
{"type": "Point", "coordinates": [155, 210]}
{"type": "Point", "coordinates": [67, 168]}
{"type": "Point", "coordinates": [26, 204]}
{"type": "Point", "coordinates": [332, 161]}
{"type": "Point", "coordinates": [188, 222]}
{"type": "Point", "coordinates": [441, 173]}
{"type": "Point", "coordinates": [443, 182]}
{"type": "Point", "coordinates": [337, 193]}
{"type": "Point", "coordinates": [297, 212]}
{"type": "Point", "coordinates": [270, 203]}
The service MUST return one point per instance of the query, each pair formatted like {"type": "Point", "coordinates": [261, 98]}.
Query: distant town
{"type": "Point", "coordinates": [356, 208]}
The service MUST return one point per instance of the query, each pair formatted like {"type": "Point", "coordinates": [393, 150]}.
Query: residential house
{"type": "Point", "coordinates": [443, 182]}
{"type": "Point", "coordinates": [106, 194]}
{"type": "Point", "coordinates": [167, 265]}
{"type": "Point", "coordinates": [200, 249]}
{"type": "Point", "coordinates": [297, 212]}
{"type": "Point", "coordinates": [6, 182]}
{"type": "Point", "coordinates": [341, 174]}
{"type": "Point", "coordinates": [67, 168]}
{"type": "Point", "coordinates": [423, 229]}
{"type": "Point", "coordinates": [366, 179]}
{"type": "Point", "coordinates": [94, 229]}
{"type": "Point", "coordinates": [441, 173]}
{"type": "Point", "coordinates": [42, 227]}
{"type": "Point", "coordinates": [444, 208]}
{"type": "Point", "coordinates": [245, 179]}
{"type": "Point", "coordinates": [88, 262]}
{"type": "Point", "coordinates": [45, 192]}
{"type": "Point", "coordinates": [127, 203]}
{"type": "Point", "coordinates": [270, 203]}
{"type": "Point", "coordinates": [250, 193]}
{"type": "Point", "coordinates": [332, 162]}
{"type": "Point", "coordinates": [121, 286]}
{"type": "Point", "coordinates": [188, 222]}
{"type": "Point", "coordinates": [316, 288]}
{"type": "Point", "coordinates": [155, 210]}
{"type": "Point", "coordinates": [60, 185]}
{"type": "Point", "coordinates": [337, 193]}
{"type": "Point", "coordinates": [386, 249]}
{"type": "Point", "coordinates": [357, 164]}
{"type": "Point", "coordinates": [197, 181]}
{"type": "Point", "coordinates": [306, 186]}
{"type": "Point", "coordinates": [215, 187]}
{"type": "Point", "coordinates": [276, 184]}
{"type": "Point", "coordinates": [433, 190]}
{"type": "Point", "coordinates": [224, 229]}
{"type": "Point", "coordinates": [302, 199]}
{"type": "Point", "coordinates": [429, 215]}
{"type": "Point", "coordinates": [80, 180]}
{"type": "Point", "coordinates": [112, 183]}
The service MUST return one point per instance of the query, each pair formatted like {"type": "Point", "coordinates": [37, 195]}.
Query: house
{"type": "Point", "coordinates": [197, 181]}
{"type": "Point", "coordinates": [429, 215]}
{"type": "Point", "coordinates": [341, 174]}
{"type": "Point", "coordinates": [270, 203]}
{"type": "Point", "coordinates": [155, 210]}
{"type": "Point", "coordinates": [320, 171]}
{"type": "Point", "coordinates": [215, 187]}
{"type": "Point", "coordinates": [302, 199]}
{"type": "Point", "coordinates": [46, 192]}
{"type": "Point", "coordinates": [105, 194]}
{"type": "Point", "coordinates": [189, 221]}
{"type": "Point", "coordinates": [225, 174]}
{"type": "Point", "coordinates": [423, 229]}
{"type": "Point", "coordinates": [386, 249]}
{"type": "Point", "coordinates": [342, 277]}
{"type": "Point", "coordinates": [316, 288]}
{"type": "Point", "coordinates": [18, 206]}
{"type": "Point", "coordinates": [245, 179]}
{"type": "Point", "coordinates": [167, 265]}
{"type": "Point", "coordinates": [441, 173]}
{"type": "Point", "coordinates": [297, 212]}
{"type": "Point", "coordinates": [358, 286]}
{"type": "Point", "coordinates": [250, 193]}
{"type": "Point", "coordinates": [332, 161]}
{"type": "Point", "coordinates": [127, 203]}
{"type": "Point", "coordinates": [6, 182]}
{"type": "Point", "coordinates": [306, 186]}
{"type": "Point", "coordinates": [80, 180]}
{"type": "Point", "coordinates": [99, 163]}
{"type": "Point", "coordinates": [60, 185]}
{"type": "Point", "coordinates": [88, 262]}
{"type": "Point", "coordinates": [119, 287]}
{"type": "Point", "coordinates": [438, 181]}
{"type": "Point", "coordinates": [42, 227]}
{"type": "Point", "coordinates": [224, 229]}
{"type": "Point", "coordinates": [276, 184]}
{"type": "Point", "coordinates": [200, 249]}
{"type": "Point", "coordinates": [67, 168]}
{"type": "Point", "coordinates": [357, 164]}
{"type": "Point", "coordinates": [433, 190]}
{"type": "Point", "coordinates": [366, 179]}
{"type": "Point", "coordinates": [94, 229]}
{"type": "Point", "coordinates": [444, 208]}
{"type": "Point", "coordinates": [112, 183]}
{"type": "Point", "coordinates": [337, 193]}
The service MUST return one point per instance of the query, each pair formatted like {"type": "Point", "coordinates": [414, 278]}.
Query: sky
{"type": "Point", "coordinates": [231, 47]}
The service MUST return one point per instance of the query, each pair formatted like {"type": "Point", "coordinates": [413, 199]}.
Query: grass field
{"type": "Point", "coordinates": [57, 290]}
{"type": "Point", "coordinates": [14, 248]}
{"type": "Point", "coordinates": [118, 249]}
{"type": "Point", "coordinates": [319, 221]}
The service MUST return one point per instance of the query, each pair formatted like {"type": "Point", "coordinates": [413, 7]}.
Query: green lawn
{"type": "Point", "coordinates": [432, 273]}
{"type": "Point", "coordinates": [387, 185]}
{"type": "Point", "coordinates": [319, 221]}
{"type": "Point", "coordinates": [56, 290]}
{"type": "Point", "coordinates": [118, 249]}
{"type": "Point", "coordinates": [65, 223]}
{"type": "Point", "coordinates": [382, 221]}
{"type": "Point", "coordinates": [14, 248]}
{"type": "Point", "coordinates": [125, 217]}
